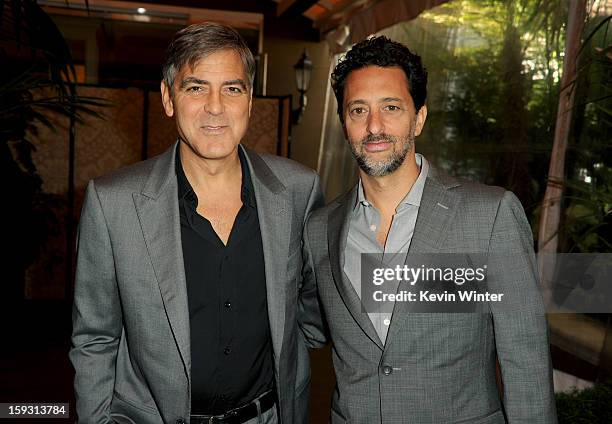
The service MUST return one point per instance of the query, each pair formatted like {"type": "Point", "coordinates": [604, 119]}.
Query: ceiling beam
{"type": "Point", "coordinates": [340, 14]}
{"type": "Point", "coordinates": [155, 13]}
{"type": "Point", "coordinates": [289, 8]}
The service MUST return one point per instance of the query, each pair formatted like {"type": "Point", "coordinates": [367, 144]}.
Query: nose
{"type": "Point", "coordinates": [375, 124]}
{"type": "Point", "coordinates": [214, 104]}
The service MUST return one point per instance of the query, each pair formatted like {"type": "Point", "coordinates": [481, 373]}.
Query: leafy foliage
{"type": "Point", "coordinates": [37, 80]}
{"type": "Point", "coordinates": [495, 68]}
{"type": "Point", "coordinates": [587, 406]}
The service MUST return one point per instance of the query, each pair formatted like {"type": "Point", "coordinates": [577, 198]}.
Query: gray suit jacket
{"type": "Point", "coordinates": [130, 336]}
{"type": "Point", "coordinates": [438, 367]}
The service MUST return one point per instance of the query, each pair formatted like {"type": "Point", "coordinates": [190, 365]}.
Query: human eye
{"type": "Point", "coordinates": [194, 89]}
{"type": "Point", "coordinates": [358, 111]}
{"type": "Point", "coordinates": [234, 90]}
{"type": "Point", "coordinates": [392, 108]}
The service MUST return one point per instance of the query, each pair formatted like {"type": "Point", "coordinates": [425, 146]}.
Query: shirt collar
{"type": "Point", "coordinates": [248, 193]}
{"type": "Point", "coordinates": [413, 197]}
{"type": "Point", "coordinates": [185, 191]}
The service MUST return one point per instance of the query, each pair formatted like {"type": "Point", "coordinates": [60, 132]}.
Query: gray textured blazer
{"type": "Point", "coordinates": [438, 367]}
{"type": "Point", "coordinates": [130, 335]}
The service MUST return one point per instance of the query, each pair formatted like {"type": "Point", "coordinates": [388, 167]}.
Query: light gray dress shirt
{"type": "Point", "coordinates": [365, 222]}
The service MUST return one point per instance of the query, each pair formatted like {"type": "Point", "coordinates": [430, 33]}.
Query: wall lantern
{"type": "Point", "coordinates": [303, 71]}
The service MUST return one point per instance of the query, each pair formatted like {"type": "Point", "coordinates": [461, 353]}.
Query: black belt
{"type": "Point", "coordinates": [241, 414]}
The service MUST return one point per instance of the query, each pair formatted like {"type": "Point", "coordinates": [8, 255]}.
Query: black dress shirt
{"type": "Point", "coordinates": [231, 350]}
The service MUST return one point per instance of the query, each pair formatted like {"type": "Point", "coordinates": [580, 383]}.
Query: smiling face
{"type": "Point", "coordinates": [211, 103]}
{"type": "Point", "coordinates": [380, 121]}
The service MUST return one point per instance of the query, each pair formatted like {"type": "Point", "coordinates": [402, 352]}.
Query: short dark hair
{"type": "Point", "coordinates": [200, 40]}
{"type": "Point", "coordinates": [383, 52]}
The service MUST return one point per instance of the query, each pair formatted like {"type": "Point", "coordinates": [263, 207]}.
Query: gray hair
{"type": "Point", "coordinates": [200, 40]}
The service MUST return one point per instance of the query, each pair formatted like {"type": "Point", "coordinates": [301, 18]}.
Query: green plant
{"type": "Point", "coordinates": [37, 79]}
{"type": "Point", "coordinates": [587, 406]}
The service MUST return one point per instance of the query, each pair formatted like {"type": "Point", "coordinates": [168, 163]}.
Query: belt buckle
{"type": "Point", "coordinates": [220, 418]}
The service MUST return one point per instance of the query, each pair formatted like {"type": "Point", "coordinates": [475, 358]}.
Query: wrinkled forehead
{"type": "Point", "coordinates": [376, 82]}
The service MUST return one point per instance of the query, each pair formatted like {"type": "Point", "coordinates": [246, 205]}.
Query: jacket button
{"type": "Point", "coordinates": [387, 370]}
{"type": "Point", "coordinates": [180, 421]}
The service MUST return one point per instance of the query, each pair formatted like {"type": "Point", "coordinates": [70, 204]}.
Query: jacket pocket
{"type": "Point", "coordinates": [336, 418]}
{"type": "Point", "coordinates": [121, 419]}
{"type": "Point", "coordinates": [496, 417]}
{"type": "Point", "coordinates": [127, 411]}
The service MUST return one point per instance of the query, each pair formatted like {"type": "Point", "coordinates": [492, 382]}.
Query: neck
{"type": "Point", "coordinates": [385, 193]}
{"type": "Point", "coordinates": [210, 174]}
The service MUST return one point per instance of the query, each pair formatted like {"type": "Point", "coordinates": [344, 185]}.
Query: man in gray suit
{"type": "Point", "coordinates": [401, 367]}
{"type": "Point", "coordinates": [190, 305]}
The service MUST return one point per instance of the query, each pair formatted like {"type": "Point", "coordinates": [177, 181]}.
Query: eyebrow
{"type": "Point", "coordinates": [193, 80]}
{"type": "Point", "coordinates": [356, 102]}
{"type": "Point", "coordinates": [236, 82]}
{"type": "Point", "coordinates": [391, 99]}
{"type": "Point", "coordinates": [383, 100]}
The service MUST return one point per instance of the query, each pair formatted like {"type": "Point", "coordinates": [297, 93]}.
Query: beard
{"type": "Point", "coordinates": [380, 168]}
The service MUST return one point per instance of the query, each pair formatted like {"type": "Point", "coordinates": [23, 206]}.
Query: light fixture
{"type": "Point", "coordinates": [303, 70]}
{"type": "Point", "coordinates": [141, 10]}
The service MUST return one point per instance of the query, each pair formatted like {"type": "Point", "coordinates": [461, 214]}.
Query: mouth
{"type": "Point", "coordinates": [213, 128]}
{"type": "Point", "coordinates": [377, 146]}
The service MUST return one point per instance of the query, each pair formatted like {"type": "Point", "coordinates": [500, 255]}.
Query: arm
{"type": "Point", "coordinates": [310, 317]}
{"type": "Point", "coordinates": [521, 334]}
{"type": "Point", "coordinates": [96, 315]}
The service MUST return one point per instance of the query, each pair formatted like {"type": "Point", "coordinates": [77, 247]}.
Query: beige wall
{"type": "Point", "coordinates": [282, 55]}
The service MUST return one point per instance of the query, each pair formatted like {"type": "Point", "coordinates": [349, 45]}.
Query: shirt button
{"type": "Point", "coordinates": [387, 370]}
{"type": "Point", "coordinates": [372, 227]}
{"type": "Point", "coordinates": [387, 321]}
{"type": "Point", "coordinates": [228, 304]}
{"type": "Point", "coordinates": [227, 350]}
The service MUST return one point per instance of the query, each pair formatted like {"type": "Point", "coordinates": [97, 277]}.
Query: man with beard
{"type": "Point", "coordinates": [393, 366]}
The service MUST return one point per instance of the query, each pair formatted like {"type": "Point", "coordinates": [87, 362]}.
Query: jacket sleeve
{"type": "Point", "coordinates": [96, 315]}
{"type": "Point", "coordinates": [310, 318]}
{"type": "Point", "coordinates": [521, 334]}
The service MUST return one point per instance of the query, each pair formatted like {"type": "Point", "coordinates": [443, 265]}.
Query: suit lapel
{"type": "Point", "coordinates": [438, 207]}
{"type": "Point", "coordinates": [436, 212]}
{"type": "Point", "coordinates": [157, 208]}
{"type": "Point", "coordinates": [337, 233]}
{"type": "Point", "coordinates": [275, 214]}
